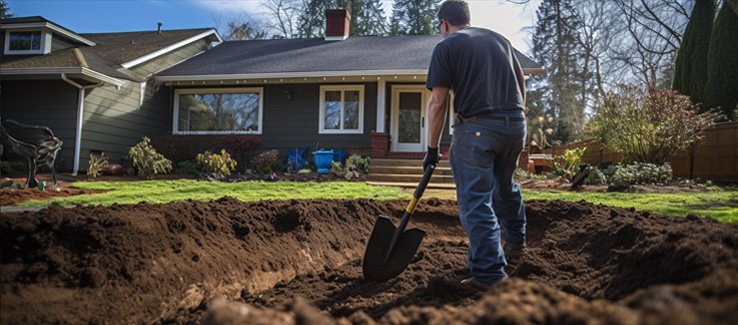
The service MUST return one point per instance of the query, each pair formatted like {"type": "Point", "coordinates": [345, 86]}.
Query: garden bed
{"type": "Point", "coordinates": [300, 261]}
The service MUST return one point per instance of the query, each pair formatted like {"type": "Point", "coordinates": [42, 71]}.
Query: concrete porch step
{"type": "Point", "coordinates": [408, 173]}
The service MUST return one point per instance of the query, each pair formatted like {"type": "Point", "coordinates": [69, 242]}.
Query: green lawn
{"type": "Point", "coordinates": [722, 206]}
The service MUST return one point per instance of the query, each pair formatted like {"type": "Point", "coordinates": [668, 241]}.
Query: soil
{"type": "Point", "coordinates": [299, 261]}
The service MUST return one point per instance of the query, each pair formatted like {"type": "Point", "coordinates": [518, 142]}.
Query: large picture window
{"type": "Point", "coordinates": [342, 109]}
{"type": "Point", "coordinates": [218, 111]}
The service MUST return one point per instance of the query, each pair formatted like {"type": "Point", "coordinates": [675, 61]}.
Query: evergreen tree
{"type": "Point", "coordinates": [367, 17]}
{"type": "Point", "coordinates": [312, 20]}
{"type": "Point", "coordinates": [414, 17]}
{"type": "Point", "coordinates": [721, 89]}
{"type": "Point", "coordinates": [5, 10]}
{"type": "Point", "coordinates": [370, 19]}
{"type": "Point", "coordinates": [555, 46]}
{"type": "Point", "coordinates": [690, 73]}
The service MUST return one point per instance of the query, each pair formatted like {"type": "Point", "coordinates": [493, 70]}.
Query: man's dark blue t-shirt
{"type": "Point", "coordinates": [478, 65]}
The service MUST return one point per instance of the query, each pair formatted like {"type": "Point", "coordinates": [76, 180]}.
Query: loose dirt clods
{"type": "Point", "coordinates": [299, 261]}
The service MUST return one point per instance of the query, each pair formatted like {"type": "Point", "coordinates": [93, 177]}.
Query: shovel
{"type": "Point", "coordinates": [391, 249]}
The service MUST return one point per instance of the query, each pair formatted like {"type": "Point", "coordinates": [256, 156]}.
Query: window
{"type": "Point", "coordinates": [218, 111]}
{"type": "Point", "coordinates": [25, 42]}
{"type": "Point", "coordinates": [342, 109]}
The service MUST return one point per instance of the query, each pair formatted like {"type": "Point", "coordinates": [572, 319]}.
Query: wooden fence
{"type": "Point", "coordinates": [714, 158]}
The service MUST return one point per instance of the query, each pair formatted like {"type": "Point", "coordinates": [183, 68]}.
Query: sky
{"type": "Point", "coordinates": [104, 16]}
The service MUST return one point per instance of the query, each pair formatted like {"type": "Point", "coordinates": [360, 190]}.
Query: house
{"type": "Point", "coordinates": [95, 91]}
{"type": "Point", "coordinates": [358, 94]}
{"type": "Point", "coordinates": [363, 95]}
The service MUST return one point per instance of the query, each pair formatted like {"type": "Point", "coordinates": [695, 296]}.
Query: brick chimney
{"type": "Point", "coordinates": [337, 24]}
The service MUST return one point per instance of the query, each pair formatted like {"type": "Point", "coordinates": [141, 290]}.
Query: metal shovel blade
{"type": "Point", "coordinates": [391, 249]}
{"type": "Point", "coordinates": [378, 265]}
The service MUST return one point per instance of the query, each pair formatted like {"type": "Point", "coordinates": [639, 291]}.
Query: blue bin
{"type": "Point", "coordinates": [340, 156]}
{"type": "Point", "coordinates": [323, 159]}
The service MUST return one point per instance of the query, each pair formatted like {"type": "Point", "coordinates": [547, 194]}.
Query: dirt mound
{"type": "Point", "coordinates": [300, 261]}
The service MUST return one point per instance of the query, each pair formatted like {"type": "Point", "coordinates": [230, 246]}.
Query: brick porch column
{"type": "Point", "coordinates": [380, 144]}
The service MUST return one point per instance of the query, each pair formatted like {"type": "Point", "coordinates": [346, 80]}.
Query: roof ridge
{"type": "Point", "coordinates": [80, 58]}
{"type": "Point", "coordinates": [149, 31]}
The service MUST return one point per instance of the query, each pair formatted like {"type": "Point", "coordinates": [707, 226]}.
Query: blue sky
{"type": "Point", "coordinates": [100, 16]}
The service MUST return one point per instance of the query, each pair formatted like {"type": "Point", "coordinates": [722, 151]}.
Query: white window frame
{"type": "Point", "coordinates": [186, 91]}
{"type": "Point", "coordinates": [321, 109]}
{"type": "Point", "coordinates": [45, 42]}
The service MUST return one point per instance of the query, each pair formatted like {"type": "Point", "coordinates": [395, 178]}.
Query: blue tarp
{"type": "Point", "coordinates": [295, 159]}
{"type": "Point", "coordinates": [340, 156]}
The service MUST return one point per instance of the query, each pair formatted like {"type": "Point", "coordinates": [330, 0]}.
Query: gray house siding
{"type": "Point", "coordinates": [294, 123]}
{"type": "Point", "coordinates": [59, 42]}
{"type": "Point", "coordinates": [51, 103]}
{"type": "Point", "coordinates": [148, 68]}
{"type": "Point", "coordinates": [114, 120]}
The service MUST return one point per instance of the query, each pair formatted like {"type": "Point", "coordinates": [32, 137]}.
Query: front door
{"type": "Point", "coordinates": [408, 117]}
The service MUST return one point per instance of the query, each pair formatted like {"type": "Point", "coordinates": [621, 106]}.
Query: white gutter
{"type": "Point", "coordinates": [170, 48]}
{"type": "Point", "coordinates": [309, 74]}
{"type": "Point", "coordinates": [80, 117]}
{"type": "Point", "coordinates": [71, 70]}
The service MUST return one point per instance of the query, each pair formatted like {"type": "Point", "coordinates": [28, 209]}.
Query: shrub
{"type": "Point", "coordinates": [649, 126]}
{"type": "Point", "coordinates": [219, 164]}
{"type": "Point", "coordinates": [336, 166]}
{"type": "Point", "coordinates": [567, 164]}
{"type": "Point", "coordinates": [642, 173]}
{"type": "Point", "coordinates": [266, 162]}
{"type": "Point", "coordinates": [721, 89]}
{"type": "Point", "coordinates": [147, 161]}
{"type": "Point", "coordinates": [187, 167]}
{"type": "Point", "coordinates": [179, 148]}
{"type": "Point", "coordinates": [12, 167]}
{"type": "Point", "coordinates": [97, 165]}
{"type": "Point", "coordinates": [241, 145]}
{"type": "Point", "coordinates": [595, 177]}
{"type": "Point", "coordinates": [360, 162]}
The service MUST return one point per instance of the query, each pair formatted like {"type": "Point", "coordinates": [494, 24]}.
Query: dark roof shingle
{"type": "Point", "coordinates": [367, 53]}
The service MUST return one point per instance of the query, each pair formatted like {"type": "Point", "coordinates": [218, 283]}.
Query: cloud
{"type": "Point", "coordinates": [229, 6]}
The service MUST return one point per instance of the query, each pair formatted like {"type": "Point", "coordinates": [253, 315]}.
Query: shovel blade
{"type": "Point", "coordinates": [375, 268]}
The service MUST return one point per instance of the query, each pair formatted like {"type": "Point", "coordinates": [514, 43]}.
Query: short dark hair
{"type": "Point", "coordinates": [455, 12]}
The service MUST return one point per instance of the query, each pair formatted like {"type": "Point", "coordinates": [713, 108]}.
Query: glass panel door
{"type": "Point", "coordinates": [408, 127]}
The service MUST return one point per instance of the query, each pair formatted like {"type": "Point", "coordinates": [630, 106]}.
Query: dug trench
{"type": "Point", "coordinates": [299, 262]}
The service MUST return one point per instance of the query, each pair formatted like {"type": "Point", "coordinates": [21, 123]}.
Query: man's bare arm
{"type": "Point", "coordinates": [436, 115]}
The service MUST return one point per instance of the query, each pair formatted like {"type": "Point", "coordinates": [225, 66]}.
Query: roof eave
{"type": "Point", "coordinates": [91, 74]}
{"type": "Point", "coordinates": [534, 71]}
{"type": "Point", "coordinates": [171, 48]}
{"type": "Point", "coordinates": [309, 74]}
{"type": "Point", "coordinates": [55, 28]}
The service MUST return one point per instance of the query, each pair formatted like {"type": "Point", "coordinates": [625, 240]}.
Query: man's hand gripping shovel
{"type": "Point", "coordinates": [391, 249]}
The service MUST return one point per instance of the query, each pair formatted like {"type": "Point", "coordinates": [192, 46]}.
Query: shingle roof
{"type": "Point", "coordinates": [111, 49]}
{"type": "Point", "coordinates": [123, 47]}
{"type": "Point", "coordinates": [367, 53]}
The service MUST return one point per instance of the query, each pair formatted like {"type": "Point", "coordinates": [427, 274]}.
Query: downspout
{"type": "Point", "coordinates": [80, 115]}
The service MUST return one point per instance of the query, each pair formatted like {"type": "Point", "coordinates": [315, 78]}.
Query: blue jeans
{"type": "Point", "coordinates": [484, 156]}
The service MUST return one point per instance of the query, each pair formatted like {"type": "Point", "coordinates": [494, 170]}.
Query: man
{"type": "Point", "coordinates": [481, 69]}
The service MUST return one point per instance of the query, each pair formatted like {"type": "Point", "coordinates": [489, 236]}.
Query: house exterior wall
{"type": "Point", "coordinates": [59, 42]}
{"type": "Point", "coordinates": [116, 120]}
{"type": "Point", "coordinates": [294, 123]}
{"type": "Point", "coordinates": [51, 103]}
